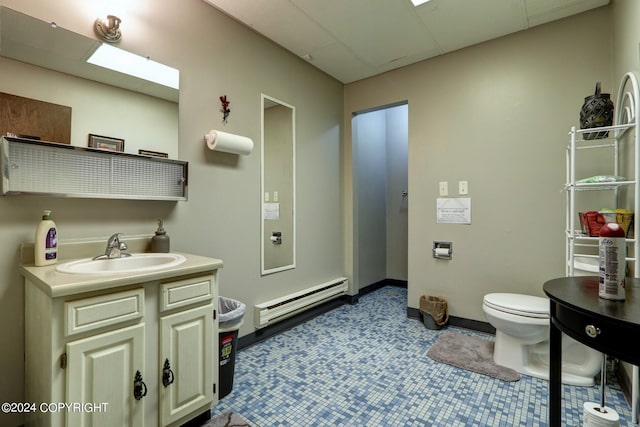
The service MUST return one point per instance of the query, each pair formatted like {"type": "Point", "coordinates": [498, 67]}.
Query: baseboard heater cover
{"type": "Point", "coordinates": [277, 309]}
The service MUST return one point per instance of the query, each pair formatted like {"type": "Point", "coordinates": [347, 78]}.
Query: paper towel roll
{"type": "Point", "coordinates": [228, 142]}
{"type": "Point", "coordinates": [596, 417]}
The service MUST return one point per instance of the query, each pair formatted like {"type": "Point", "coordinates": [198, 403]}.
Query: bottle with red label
{"type": "Point", "coordinates": [612, 251]}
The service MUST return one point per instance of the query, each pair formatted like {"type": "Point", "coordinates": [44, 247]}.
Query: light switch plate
{"type": "Point", "coordinates": [463, 187]}
{"type": "Point", "coordinates": [444, 188]}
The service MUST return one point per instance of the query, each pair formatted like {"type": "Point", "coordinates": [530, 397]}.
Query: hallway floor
{"type": "Point", "coordinates": [366, 365]}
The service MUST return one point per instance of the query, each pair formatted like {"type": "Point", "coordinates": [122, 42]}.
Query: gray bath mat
{"type": "Point", "coordinates": [470, 353]}
{"type": "Point", "coordinates": [228, 419]}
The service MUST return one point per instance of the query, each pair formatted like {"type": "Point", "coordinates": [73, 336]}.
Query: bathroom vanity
{"type": "Point", "coordinates": [125, 349]}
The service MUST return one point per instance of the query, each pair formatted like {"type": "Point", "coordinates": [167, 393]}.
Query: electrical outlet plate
{"type": "Point", "coordinates": [463, 187]}
{"type": "Point", "coordinates": [444, 188]}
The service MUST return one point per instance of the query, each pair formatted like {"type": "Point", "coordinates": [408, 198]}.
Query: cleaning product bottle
{"type": "Point", "coordinates": [612, 253]}
{"type": "Point", "coordinates": [46, 243]}
{"type": "Point", "coordinates": [160, 242]}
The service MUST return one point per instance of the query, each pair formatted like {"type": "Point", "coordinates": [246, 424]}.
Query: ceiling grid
{"type": "Point", "coordinates": [355, 39]}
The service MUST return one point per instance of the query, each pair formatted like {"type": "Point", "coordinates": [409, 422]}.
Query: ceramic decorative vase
{"type": "Point", "coordinates": [597, 111]}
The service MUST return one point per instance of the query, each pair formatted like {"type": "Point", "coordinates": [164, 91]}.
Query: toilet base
{"type": "Point", "coordinates": [533, 360]}
{"type": "Point", "coordinates": [567, 378]}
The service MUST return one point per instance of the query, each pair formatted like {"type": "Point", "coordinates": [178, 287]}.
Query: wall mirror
{"type": "Point", "coordinates": [117, 104]}
{"type": "Point", "coordinates": [278, 249]}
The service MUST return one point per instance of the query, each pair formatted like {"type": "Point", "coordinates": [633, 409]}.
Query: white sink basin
{"type": "Point", "coordinates": [136, 263]}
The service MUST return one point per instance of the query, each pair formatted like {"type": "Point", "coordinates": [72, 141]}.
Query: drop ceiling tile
{"type": "Point", "coordinates": [376, 31]}
{"type": "Point", "coordinates": [355, 39]}
{"type": "Point", "coordinates": [460, 23]}
{"type": "Point", "coordinates": [407, 60]}
{"type": "Point", "coordinates": [339, 62]}
{"type": "Point", "coordinates": [278, 20]}
{"type": "Point", "coordinates": [543, 11]}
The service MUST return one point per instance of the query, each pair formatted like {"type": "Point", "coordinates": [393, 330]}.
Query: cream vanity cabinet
{"type": "Point", "coordinates": [125, 351]}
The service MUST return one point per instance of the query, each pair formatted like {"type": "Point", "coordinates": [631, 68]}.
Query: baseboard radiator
{"type": "Point", "coordinates": [278, 309]}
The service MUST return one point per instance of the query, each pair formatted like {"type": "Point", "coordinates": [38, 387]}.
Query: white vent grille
{"type": "Point", "coordinates": [278, 309]}
{"type": "Point", "coordinates": [44, 168]}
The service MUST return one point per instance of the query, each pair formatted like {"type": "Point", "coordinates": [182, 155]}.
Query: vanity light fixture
{"type": "Point", "coordinates": [113, 58]}
{"type": "Point", "coordinates": [417, 3]}
{"type": "Point", "coordinates": [108, 29]}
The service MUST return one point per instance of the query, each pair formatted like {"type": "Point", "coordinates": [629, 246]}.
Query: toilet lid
{"type": "Point", "coordinates": [523, 305]}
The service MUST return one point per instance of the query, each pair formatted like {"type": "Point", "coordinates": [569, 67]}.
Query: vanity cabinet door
{"type": "Point", "coordinates": [101, 372]}
{"type": "Point", "coordinates": [186, 362]}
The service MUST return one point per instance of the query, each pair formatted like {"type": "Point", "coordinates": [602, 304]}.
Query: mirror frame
{"type": "Point", "coordinates": [264, 101]}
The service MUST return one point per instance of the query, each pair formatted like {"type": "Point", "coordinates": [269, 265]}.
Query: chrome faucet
{"type": "Point", "coordinates": [114, 248]}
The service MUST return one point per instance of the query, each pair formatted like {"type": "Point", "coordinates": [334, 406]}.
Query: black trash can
{"type": "Point", "coordinates": [231, 317]}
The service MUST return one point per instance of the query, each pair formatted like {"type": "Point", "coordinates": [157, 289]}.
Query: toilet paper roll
{"type": "Point", "coordinates": [442, 252]}
{"type": "Point", "coordinates": [228, 142]}
{"type": "Point", "coordinates": [594, 416]}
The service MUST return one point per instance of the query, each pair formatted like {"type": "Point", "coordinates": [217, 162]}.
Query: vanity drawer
{"type": "Point", "coordinates": [186, 292]}
{"type": "Point", "coordinates": [610, 336]}
{"type": "Point", "coordinates": [104, 310]}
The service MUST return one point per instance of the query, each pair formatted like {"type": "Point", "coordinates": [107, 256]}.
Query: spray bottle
{"type": "Point", "coordinates": [612, 253]}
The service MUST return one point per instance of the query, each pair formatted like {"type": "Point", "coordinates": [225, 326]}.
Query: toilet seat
{"type": "Point", "coordinates": [519, 304]}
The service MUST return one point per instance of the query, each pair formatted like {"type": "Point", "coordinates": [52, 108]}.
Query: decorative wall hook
{"type": "Point", "coordinates": [225, 109]}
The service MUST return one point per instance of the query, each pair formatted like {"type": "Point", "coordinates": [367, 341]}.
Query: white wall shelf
{"type": "Point", "coordinates": [622, 133]}
{"type": "Point", "coordinates": [60, 170]}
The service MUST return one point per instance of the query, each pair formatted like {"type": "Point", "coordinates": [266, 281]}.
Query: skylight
{"type": "Point", "coordinates": [116, 59]}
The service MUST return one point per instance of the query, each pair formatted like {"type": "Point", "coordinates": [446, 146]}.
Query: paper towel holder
{"type": "Point", "coordinates": [228, 142]}
{"type": "Point", "coordinates": [442, 250]}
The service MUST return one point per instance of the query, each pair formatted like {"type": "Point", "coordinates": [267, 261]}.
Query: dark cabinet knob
{"type": "Point", "coordinates": [592, 331]}
{"type": "Point", "coordinates": [167, 374]}
{"type": "Point", "coordinates": [139, 387]}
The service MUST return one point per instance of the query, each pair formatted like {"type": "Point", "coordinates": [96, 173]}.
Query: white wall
{"type": "Point", "coordinates": [496, 115]}
{"type": "Point", "coordinates": [380, 171]}
{"type": "Point", "coordinates": [396, 133]}
{"type": "Point", "coordinates": [370, 170]}
{"type": "Point", "coordinates": [216, 56]}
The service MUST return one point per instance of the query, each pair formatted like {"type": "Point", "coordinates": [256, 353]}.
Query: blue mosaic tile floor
{"type": "Point", "coordinates": [366, 365]}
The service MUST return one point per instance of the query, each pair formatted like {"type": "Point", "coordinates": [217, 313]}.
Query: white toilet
{"type": "Point", "coordinates": [522, 339]}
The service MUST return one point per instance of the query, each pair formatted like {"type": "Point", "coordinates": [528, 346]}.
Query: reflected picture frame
{"type": "Point", "coordinates": [106, 142]}
{"type": "Point", "coordinates": [153, 153]}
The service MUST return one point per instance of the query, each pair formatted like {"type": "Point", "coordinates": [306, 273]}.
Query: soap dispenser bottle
{"type": "Point", "coordinates": [46, 242]}
{"type": "Point", "coordinates": [160, 242]}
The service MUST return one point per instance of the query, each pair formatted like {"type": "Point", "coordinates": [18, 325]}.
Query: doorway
{"type": "Point", "coordinates": [380, 190]}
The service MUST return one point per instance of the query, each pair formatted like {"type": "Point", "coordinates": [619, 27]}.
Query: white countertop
{"type": "Point", "coordinates": [56, 284]}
